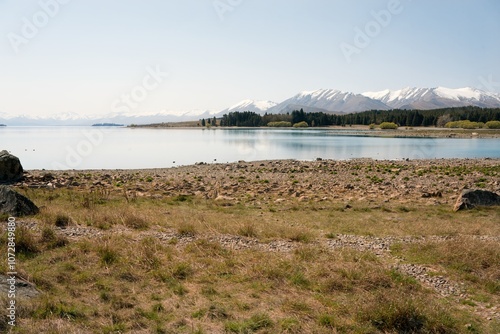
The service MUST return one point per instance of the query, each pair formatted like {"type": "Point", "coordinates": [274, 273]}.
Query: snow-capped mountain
{"type": "Point", "coordinates": [433, 98]}
{"type": "Point", "coordinates": [328, 100]}
{"type": "Point", "coordinates": [323, 100]}
{"type": "Point", "coordinates": [70, 118]}
{"type": "Point", "coordinates": [258, 107]}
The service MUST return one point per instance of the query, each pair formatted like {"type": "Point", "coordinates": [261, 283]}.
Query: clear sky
{"type": "Point", "coordinates": [83, 56]}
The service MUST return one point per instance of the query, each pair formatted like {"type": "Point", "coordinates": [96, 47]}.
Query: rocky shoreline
{"type": "Point", "coordinates": [278, 181]}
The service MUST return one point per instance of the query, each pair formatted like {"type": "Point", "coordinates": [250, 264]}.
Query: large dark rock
{"type": "Point", "coordinates": [15, 204]}
{"type": "Point", "coordinates": [470, 198]}
{"type": "Point", "coordinates": [11, 169]}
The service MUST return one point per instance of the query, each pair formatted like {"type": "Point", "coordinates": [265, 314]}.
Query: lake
{"type": "Point", "coordinates": [127, 148]}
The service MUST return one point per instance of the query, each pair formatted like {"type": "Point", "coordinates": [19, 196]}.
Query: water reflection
{"type": "Point", "coordinates": [48, 147]}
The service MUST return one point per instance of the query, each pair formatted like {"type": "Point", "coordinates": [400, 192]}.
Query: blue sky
{"type": "Point", "coordinates": [86, 55]}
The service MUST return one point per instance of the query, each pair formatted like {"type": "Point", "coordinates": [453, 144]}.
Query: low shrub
{"type": "Point", "coordinates": [281, 124]}
{"type": "Point", "coordinates": [302, 124]}
{"type": "Point", "coordinates": [388, 126]}
{"type": "Point", "coordinates": [464, 125]}
{"type": "Point", "coordinates": [493, 125]}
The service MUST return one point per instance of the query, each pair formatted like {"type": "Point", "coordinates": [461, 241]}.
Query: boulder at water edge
{"type": "Point", "coordinates": [15, 204]}
{"type": "Point", "coordinates": [10, 168]}
{"type": "Point", "coordinates": [470, 198]}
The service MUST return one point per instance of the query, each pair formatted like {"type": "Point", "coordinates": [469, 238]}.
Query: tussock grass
{"type": "Point", "coordinates": [135, 221]}
{"type": "Point", "coordinates": [407, 314]}
{"type": "Point", "coordinates": [248, 230]}
{"type": "Point", "coordinates": [253, 324]}
{"type": "Point", "coordinates": [26, 242]}
{"type": "Point", "coordinates": [467, 259]}
{"type": "Point", "coordinates": [186, 229]}
{"type": "Point", "coordinates": [128, 280]}
{"type": "Point", "coordinates": [210, 288]}
{"type": "Point", "coordinates": [62, 220]}
{"type": "Point", "coordinates": [51, 239]}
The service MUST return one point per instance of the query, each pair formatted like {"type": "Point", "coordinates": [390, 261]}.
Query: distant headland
{"type": "Point", "coordinates": [107, 124]}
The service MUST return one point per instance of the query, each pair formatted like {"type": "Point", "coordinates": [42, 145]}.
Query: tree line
{"type": "Point", "coordinates": [435, 117]}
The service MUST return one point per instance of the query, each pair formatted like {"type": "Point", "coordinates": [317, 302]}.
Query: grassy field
{"type": "Point", "coordinates": [106, 262]}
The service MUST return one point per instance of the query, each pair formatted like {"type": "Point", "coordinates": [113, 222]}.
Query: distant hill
{"type": "Point", "coordinates": [323, 100]}
{"type": "Point", "coordinates": [258, 107]}
{"type": "Point", "coordinates": [107, 124]}
{"type": "Point", "coordinates": [435, 98]}
{"type": "Point", "coordinates": [73, 119]}
{"type": "Point", "coordinates": [338, 102]}
{"type": "Point", "coordinates": [328, 100]}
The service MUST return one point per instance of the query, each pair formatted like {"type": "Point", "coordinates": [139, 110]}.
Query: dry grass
{"type": "Point", "coordinates": [466, 259]}
{"type": "Point", "coordinates": [117, 284]}
{"type": "Point", "coordinates": [128, 280]}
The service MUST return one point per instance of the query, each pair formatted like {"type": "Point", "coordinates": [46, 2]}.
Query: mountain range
{"type": "Point", "coordinates": [322, 100]}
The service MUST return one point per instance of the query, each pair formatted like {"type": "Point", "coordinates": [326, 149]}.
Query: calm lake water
{"type": "Point", "coordinates": [123, 148]}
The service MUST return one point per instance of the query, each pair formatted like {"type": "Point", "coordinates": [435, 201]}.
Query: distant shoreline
{"type": "Point", "coordinates": [355, 130]}
{"type": "Point", "coordinates": [108, 124]}
{"type": "Point", "coordinates": [217, 165]}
